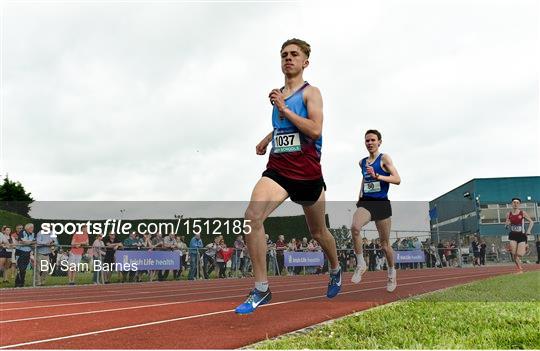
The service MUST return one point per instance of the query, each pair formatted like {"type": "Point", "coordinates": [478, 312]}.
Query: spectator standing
{"type": "Point", "coordinates": [5, 255]}
{"type": "Point", "coordinates": [343, 257]}
{"type": "Point", "coordinates": [182, 248]}
{"type": "Point", "coordinates": [238, 256]}
{"type": "Point", "coordinates": [291, 248]}
{"type": "Point", "coordinates": [351, 256]}
{"type": "Point", "coordinates": [410, 247]}
{"type": "Point", "coordinates": [311, 248]}
{"type": "Point", "coordinates": [417, 244]}
{"type": "Point", "coordinates": [26, 241]}
{"type": "Point", "coordinates": [453, 254]}
{"type": "Point", "coordinates": [248, 268]}
{"type": "Point", "coordinates": [494, 252]}
{"type": "Point", "coordinates": [433, 255]}
{"type": "Point", "coordinates": [14, 242]}
{"type": "Point", "coordinates": [475, 248]}
{"type": "Point", "coordinates": [98, 253]}
{"type": "Point", "coordinates": [372, 249]}
{"type": "Point", "coordinates": [209, 257]}
{"type": "Point", "coordinates": [158, 245]}
{"type": "Point", "coordinates": [112, 243]}
{"type": "Point", "coordinates": [440, 251]}
{"type": "Point", "coordinates": [157, 242]}
{"type": "Point", "coordinates": [271, 262]}
{"type": "Point", "coordinates": [448, 252]}
{"type": "Point", "coordinates": [169, 244]}
{"type": "Point", "coordinates": [281, 246]}
{"type": "Point", "coordinates": [131, 243]}
{"type": "Point", "coordinates": [300, 247]}
{"type": "Point", "coordinates": [220, 258]}
{"type": "Point", "coordinates": [483, 248]}
{"type": "Point", "coordinates": [378, 255]}
{"type": "Point", "coordinates": [44, 243]}
{"type": "Point", "coordinates": [538, 249]}
{"type": "Point", "coordinates": [195, 244]}
{"type": "Point", "coordinates": [78, 242]}
{"type": "Point", "coordinates": [304, 244]}
{"type": "Point", "coordinates": [147, 245]}
{"type": "Point", "coordinates": [61, 260]}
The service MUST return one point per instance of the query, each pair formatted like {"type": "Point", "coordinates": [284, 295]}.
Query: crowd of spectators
{"type": "Point", "coordinates": [19, 246]}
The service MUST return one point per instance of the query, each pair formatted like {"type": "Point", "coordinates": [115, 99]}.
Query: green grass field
{"type": "Point", "coordinates": [498, 313]}
{"type": "Point", "coordinates": [12, 219]}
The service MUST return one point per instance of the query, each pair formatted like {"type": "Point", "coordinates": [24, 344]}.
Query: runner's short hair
{"type": "Point", "coordinates": [374, 131]}
{"type": "Point", "coordinates": [304, 46]}
{"type": "Point", "coordinates": [516, 198]}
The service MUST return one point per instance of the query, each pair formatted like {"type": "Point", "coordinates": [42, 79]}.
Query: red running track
{"type": "Point", "coordinates": [197, 314]}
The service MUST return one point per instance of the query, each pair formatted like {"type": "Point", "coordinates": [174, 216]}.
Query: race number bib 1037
{"type": "Point", "coordinates": [372, 187]}
{"type": "Point", "coordinates": [289, 142]}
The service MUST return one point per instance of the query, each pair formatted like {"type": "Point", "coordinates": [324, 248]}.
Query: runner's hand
{"type": "Point", "coordinates": [260, 149]}
{"type": "Point", "coordinates": [370, 171]}
{"type": "Point", "coordinates": [277, 99]}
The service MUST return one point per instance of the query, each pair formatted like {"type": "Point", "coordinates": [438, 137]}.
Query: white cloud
{"type": "Point", "coordinates": [167, 101]}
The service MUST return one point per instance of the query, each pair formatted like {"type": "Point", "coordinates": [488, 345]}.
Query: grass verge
{"type": "Point", "coordinates": [497, 313]}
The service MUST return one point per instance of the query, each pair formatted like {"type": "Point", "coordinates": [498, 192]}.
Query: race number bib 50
{"type": "Point", "coordinates": [289, 142]}
{"type": "Point", "coordinates": [372, 187]}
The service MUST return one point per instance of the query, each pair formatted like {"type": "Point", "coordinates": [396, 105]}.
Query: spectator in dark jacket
{"type": "Point", "coordinates": [195, 245]}
{"type": "Point", "coordinates": [372, 248]}
{"type": "Point", "coordinates": [281, 246]}
{"type": "Point", "coordinates": [27, 241]}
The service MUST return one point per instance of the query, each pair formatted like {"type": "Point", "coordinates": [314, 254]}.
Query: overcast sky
{"type": "Point", "coordinates": [167, 100]}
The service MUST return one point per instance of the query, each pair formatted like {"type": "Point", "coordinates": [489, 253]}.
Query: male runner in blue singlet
{"type": "Point", "coordinates": [293, 170]}
{"type": "Point", "coordinates": [378, 172]}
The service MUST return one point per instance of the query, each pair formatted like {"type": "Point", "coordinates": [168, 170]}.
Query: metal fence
{"type": "Point", "coordinates": [34, 265]}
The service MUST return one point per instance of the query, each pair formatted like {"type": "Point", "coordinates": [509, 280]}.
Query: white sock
{"type": "Point", "coordinates": [391, 270]}
{"type": "Point", "coordinates": [334, 270]}
{"type": "Point", "coordinates": [360, 260]}
{"type": "Point", "coordinates": [261, 286]}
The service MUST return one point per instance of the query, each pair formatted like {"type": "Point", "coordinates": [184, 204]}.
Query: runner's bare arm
{"type": "Point", "coordinates": [531, 222]}
{"type": "Point", "coordinates": [311, 126]}
{"type": "Point", "coordinates": [388, 165]}
{"type": "Point", "coordinates": [361, 185]}
{"type": "Point", "coordinates": [260, 149]}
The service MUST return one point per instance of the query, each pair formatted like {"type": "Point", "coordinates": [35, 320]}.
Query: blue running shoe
{"type": "Point", "coordinates": [334, 286]}
{"type": "Point", "coordinates": [254, 300]}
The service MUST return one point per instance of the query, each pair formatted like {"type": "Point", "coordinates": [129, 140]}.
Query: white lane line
{"type": "Point", "coordinates": [170, 295]}
{"type": "Point", "coordinates": [154, 305]}
{"type": "Point", "coordinates": [237, 287]}
{"type": "Point", "coordinates": [170, 303]}
{"type": "Point", "coordinates": [143, 292]}
{"type": "Point", "coordinates": [175, 287]}
{"type": "Point", "coordinates": [100, 295]}
{"type": "Point", "coordinates": [153, 287]}
{"type": "Point", "coordinates": [203, 283]}
{"type": "Point", "coordinates": [215, 313]}
{"type": "Point", "coordinates": [115, 329]}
